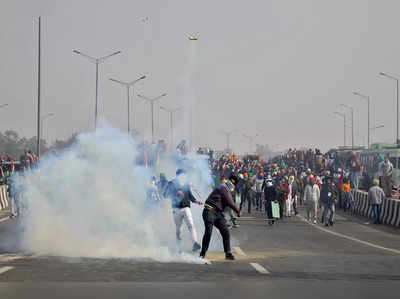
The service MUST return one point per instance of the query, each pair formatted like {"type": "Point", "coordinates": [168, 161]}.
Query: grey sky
{"type": "Point", "coordinates": [277, 68]}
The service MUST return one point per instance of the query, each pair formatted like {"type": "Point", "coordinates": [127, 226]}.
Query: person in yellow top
{"type": "Point", "coordinates": [347, 196]}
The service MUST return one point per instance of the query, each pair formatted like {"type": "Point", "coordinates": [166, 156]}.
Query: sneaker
{"type": "Point", "coordinates": [196, 247]}
{"type": "Point", "coordinates": [326, 224]}
{"type": "Point", "coordinates": [315, 221]}
{"type": "Point", "coordinates": [236, 225]}
{"type": "Point", "coordinates": [202, 255]}
{"type": "Point", "coordinates": [229, 256]}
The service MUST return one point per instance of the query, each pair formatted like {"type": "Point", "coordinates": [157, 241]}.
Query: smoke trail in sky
{"type": "Point", "coordinates": [89, 201]}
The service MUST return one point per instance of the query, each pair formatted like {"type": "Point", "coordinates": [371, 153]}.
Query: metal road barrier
{"type": "Point", "coordinates": [4, 200]}
{"type": "Point", "coordinates": [390, 209]}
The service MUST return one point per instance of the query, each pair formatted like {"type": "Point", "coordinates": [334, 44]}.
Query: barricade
{"type": "Point", "coordinates": [4, 200]}
{"type": "Point", "coordinates": [390, 209]}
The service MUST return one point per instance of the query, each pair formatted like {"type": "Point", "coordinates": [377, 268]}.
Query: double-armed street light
{"type": "Point", "coordinates": [228, 138]}
{"type": "Point", "coordinates": [171, 122]}
{"type": "Point", "coordinates": [96, 61]}
{"type": "Point", "coordinates": [152, 101]}
{"type": "Point", "coordinates": [352, 123]}
{"type": "Point", "coordinates": [128, 86]}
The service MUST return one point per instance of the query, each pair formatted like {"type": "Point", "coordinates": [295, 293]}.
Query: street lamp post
{"type": "Point", "coordinates": [97, 61]}
{"type": "Point", "coordinates": [152, 101]}
{"type": "Point", "coordinates": [228, 139]}
{"type": "Point", "coordinates": [171, 122]}
{"type": "Point", "coordinates": [128, 87]}
{"type": "Point", "coordinates": [344, 126]}
{"type": "Point", "coordinates": [397, 109]}
{"type": "Point", "coordinates": [367, 98]}
{"type": "Point", "coordinates": [352, 123]}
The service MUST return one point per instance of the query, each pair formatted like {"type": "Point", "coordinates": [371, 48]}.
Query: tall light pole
{"type": "Point", "coordinates": [152, 101]}
{"type": "Point", "coordinates": [128, 87]}
{"type": "Point", "coordinates": [228, 138]}
{"type": "Point", "coordinates": [397, 109]}
{"type": "Point", "coordinates": [42, 120]}
{"type": "Point", "coordinates": [171, 122]}
{"type": "Point", "coordinates": [96, 61]}
{"type": "Point", "coordinates": [352, 123]}
{"type": "Point", "coordinates": [39, 85]}
{"type": "Point", "coordinates": [251, 139]}
{"type": "Point", "coordinates": [344, 126]}
{"type": "Point", "coordinates": [367, 98]}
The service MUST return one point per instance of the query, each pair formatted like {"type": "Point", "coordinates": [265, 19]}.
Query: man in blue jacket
{"type": "Point", "coordinates": [178, 190]}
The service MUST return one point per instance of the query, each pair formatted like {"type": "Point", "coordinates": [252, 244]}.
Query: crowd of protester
{"type": "Point", "coordinates": [322, 182]}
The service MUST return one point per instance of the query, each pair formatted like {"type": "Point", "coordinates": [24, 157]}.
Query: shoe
{"type": "Point", "coordinates": [331, 223]}
{"type": "Point", "coordinates": [229, 256]}
{"type": "Point", "coordinates": [196, 247]}
{"type": "Point", "coordinates": [202, 255]}
{"type": "Point", "coordinates": [235, 225]}
{"type": "Point", "coordinates": [315, 221]}
{"type": "Point", "coordinates": [326, 224]}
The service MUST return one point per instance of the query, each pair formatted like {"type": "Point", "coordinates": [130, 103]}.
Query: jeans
{"type": "Point", "coordinates": [259, 201]}
{"type": "Point", "coordinates": [246, 197]}
{"type": "Point", "coordinates": [217, 219]}
{"type": "Point", "coordinates": [268, 211]}
{"type": "Point", "coordinates": [376, 210]}
{"type": "Point", "coordinates": [328, 208]}
{"type": "Point", "coordinates": [354, 180]}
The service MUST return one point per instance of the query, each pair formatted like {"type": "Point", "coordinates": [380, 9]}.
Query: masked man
{"type": "Point", "coordinates": [213, 215]}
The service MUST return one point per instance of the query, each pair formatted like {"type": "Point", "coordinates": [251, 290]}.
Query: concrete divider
{"type": "Point", "coordinates": [390, 210]}
{"type": "Point", "coordinates": [4, 200]}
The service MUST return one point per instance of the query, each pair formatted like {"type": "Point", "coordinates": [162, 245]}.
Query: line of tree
{"type": "Point", "coordinates": [11, 143]}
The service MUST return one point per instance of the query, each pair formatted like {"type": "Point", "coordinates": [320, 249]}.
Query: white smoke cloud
{"type": "Point", "coordinates": [89, 201]}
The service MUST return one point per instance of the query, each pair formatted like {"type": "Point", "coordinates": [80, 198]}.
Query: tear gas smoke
{"type": "Point", "coordinates": [89, 201]}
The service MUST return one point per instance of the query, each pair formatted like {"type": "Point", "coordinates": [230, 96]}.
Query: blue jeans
{"type": "Point", "coordinates": [354, 180]}
{"type": "Point", "coordinates": [376, 210]}
{"type": "Point", "coordinates": [328, 208]}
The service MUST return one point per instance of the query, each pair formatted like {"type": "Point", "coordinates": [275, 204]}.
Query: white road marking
{"type": "Point", "coordinates": [4, 219]}
{"type": "Point", "coordinates": [239, 251]}
{"type": "Point", "coordinates": [8, 257]}
{"type": "Point", "coordinates": [353, 239]}
{"type": "Point", "coordinates": [260, 268]}
{"type": "Point", "coordinates": [5, 269]}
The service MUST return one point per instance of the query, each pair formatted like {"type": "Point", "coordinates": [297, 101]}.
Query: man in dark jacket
{"type": "Point", "coordinates": [217, 201]}
{"type": "Point", "coordinates": [269, 196]}
{"type": "Point", "coordinates": [328, 197]}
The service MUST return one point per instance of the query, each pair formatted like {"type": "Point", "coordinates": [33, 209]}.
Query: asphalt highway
{"type": "Point", "coordinates": [294, 258]}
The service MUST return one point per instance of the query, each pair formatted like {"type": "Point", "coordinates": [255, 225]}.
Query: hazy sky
{"type": "Point", "coordinates": [276, 68]}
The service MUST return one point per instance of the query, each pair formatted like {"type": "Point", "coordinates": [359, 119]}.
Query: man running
{"type": "Point", "coordinates": [178, 190]}
{"type": "Point", "coordinates": [213, 215]}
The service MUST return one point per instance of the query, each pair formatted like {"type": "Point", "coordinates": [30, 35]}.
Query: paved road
{"type": "Point", "coordinates": [293, 258]}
